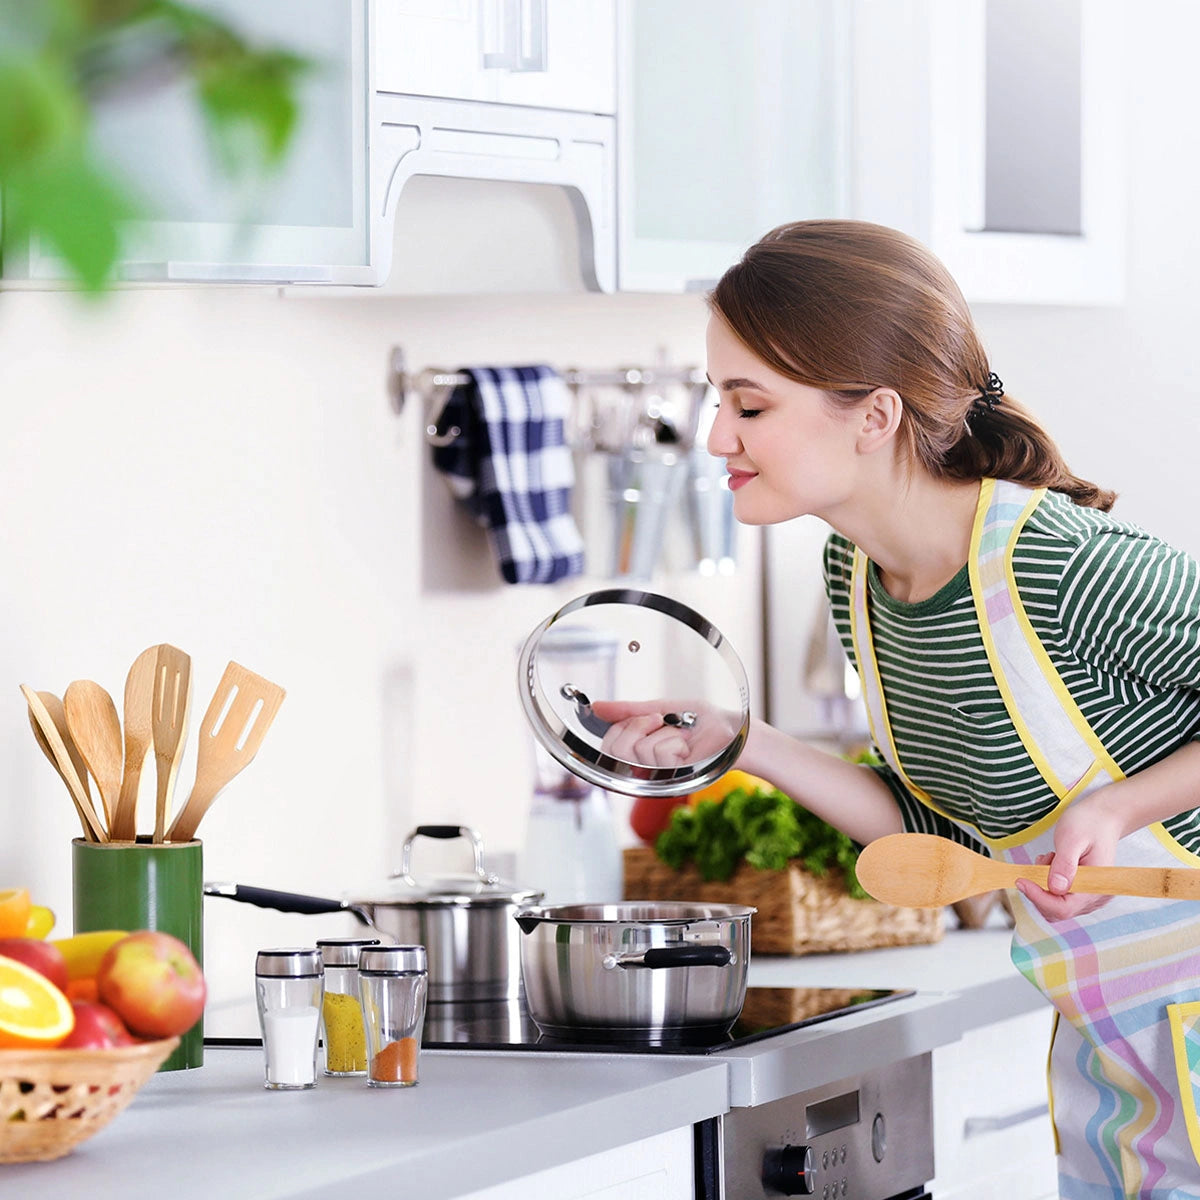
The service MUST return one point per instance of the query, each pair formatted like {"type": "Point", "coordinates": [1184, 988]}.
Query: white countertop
{"type": "Point", "coordinates": [483, 1118]}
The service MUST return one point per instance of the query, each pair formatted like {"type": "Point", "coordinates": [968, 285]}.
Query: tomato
{"type": "Point", "coordinates": [650, 815]}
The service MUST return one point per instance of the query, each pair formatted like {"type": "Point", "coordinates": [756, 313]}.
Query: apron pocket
{"type": "Point", "coordinates": [1185, 1041]}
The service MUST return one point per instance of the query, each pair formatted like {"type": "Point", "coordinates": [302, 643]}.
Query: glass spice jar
{"type": "Point", "coordinates": [393, 982]}
{"type": "Point", "coordinates": [287, 985]}
{"type": "Point", "coordinates": [341, 1008]}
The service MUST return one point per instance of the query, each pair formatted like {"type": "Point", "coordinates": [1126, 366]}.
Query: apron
{"type": "Point", "coordinates": [1124, 980]}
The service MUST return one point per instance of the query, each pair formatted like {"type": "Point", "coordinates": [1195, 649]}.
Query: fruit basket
{"type": "Point", "coordinates": [51, 1100]}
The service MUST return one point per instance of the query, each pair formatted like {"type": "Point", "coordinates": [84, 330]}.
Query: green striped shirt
{"type": "Point", "coordinates": [1118, 612]}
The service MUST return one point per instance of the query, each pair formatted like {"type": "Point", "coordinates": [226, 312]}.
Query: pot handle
{"type": "Point", "coordinates": [291, 902]}
{"type": "Point", "coordinates": [674, 956]}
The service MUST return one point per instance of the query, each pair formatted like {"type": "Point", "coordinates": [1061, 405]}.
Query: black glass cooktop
{"type": "Point", "coordinates": [505, 1025]}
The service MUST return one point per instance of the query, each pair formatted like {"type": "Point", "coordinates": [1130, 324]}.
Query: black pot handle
{"type": "Point", "coordinates": [291, 902]}
{"type": "Point", "coordinates": [441, 831]}
{"type": "Point", "coordinates": [688, 956]}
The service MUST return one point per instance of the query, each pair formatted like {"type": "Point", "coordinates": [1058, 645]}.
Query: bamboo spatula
{"type": "Point", "coordinates": [169, 712]}
{"type": "Point", "coordinates": [96, 729]}
{"type": "Point", "coordinates": [234, 725]}
{"type": "Point", "coordinates": [921, 870]}
{"type": "Point", "coordinates": [55, 749]}
{"type": "Point", "coordinates": [139, 693]}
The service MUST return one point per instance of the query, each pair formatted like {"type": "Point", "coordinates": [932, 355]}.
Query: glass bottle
{"type": "Point", "coordinates": [288, 983]}
{"type": "Point", "coordinates": [393, 982]}
{"type": "Point", "coordinates": [341, 1007]}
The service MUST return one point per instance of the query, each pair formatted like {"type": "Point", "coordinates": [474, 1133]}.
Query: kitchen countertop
{"type": "Point", "coordinates": [481, 1118]}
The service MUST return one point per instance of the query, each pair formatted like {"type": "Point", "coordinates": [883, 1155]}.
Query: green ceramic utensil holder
{"type": "Point", "coordinates": [142, 885]}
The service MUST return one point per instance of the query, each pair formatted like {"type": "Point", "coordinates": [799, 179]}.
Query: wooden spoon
{"type": "Point", "coordinates": [55, 748]}
{"type": "Point", "coordinates": [139, 695]}
{"type": "Point", "coordinates": [920, 870]}
{"type": "Point", "coordinates": [94, 724]}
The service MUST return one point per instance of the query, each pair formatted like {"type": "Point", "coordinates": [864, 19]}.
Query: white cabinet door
{"type": "Point", "coordinates": [1000, 142]}
{"type": "Point", "coordinates": [310, 223]}
{"type": "Point", "coordinates": [992, 1134]}
{"type": "Point", "coordinates": [731, 119]}
{"type": "Point", "coordinates": [542, 53]}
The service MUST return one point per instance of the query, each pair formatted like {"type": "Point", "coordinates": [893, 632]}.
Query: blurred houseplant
{"type": "Point", "coordinates": [58, 58]}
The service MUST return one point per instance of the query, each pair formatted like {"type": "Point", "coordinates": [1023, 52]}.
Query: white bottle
{"type": "Point", "coordinates": [571, 849]}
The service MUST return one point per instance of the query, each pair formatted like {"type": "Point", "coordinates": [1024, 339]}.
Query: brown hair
{"type": "Point", "coordinates": [848, 307]}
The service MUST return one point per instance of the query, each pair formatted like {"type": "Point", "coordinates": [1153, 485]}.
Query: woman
{"type": "Point", "coordinates": [1031, 665]}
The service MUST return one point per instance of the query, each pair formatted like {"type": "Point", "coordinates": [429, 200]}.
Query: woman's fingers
{"type": "Point", "coordinates": [1059, 908]}
{"type": "Point", "coordinates": [647, 741]}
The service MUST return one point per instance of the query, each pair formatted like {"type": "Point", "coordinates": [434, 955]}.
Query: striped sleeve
{"type": "Point", "coordinates": [1130, 605]}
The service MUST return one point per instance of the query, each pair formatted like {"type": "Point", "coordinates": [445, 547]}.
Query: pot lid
{"type": "Point", "coordinates": [686, 679]}
{"type": "Point", "coordinates": [480, 887]}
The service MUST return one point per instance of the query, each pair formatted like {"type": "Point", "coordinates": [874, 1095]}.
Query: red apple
{"type": "Point", "coordinates": [153, 983]}
{"type": "Point", "coordinates": [97, 1027]}
{"type": "Point", "coordinates": [42, 956]}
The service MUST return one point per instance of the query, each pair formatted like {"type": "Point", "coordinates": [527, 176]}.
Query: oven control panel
{"type": "Point", "coordinates": [864, 1138]}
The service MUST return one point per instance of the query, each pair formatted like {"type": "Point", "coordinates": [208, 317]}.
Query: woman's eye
{"type": "Point", "coordinates": [747, 413]}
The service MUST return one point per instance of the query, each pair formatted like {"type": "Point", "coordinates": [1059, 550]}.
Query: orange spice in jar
{"type": "Point", "coordinates": [396, 1062]}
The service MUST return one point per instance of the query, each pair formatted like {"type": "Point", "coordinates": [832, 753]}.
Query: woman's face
{"type": "Point", "coordinates": [788, 450]}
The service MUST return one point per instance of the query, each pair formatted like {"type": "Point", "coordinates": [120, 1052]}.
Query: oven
{"type": "Point", "coordinates": [867, 1135]}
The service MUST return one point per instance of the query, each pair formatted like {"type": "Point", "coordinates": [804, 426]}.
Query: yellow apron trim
{"type": "Point", "coordinates": [1176, 1013]}
{"type": "Point", "coordinates": [1070, 707]}
{"type": "Point", "coordinates": [1041, 825]}
{"type": "Point", "coordinates": [864, 652]}
{"type": "Point", "coordinates": [986, 490]}
{"type": "Point", "coordinates": [1050, 1085]}
{"type": "Point", "coordinates": [1169, 843]}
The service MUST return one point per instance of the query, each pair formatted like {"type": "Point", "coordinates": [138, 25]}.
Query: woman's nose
{"type": "Point", "coordinates": [722, 436]}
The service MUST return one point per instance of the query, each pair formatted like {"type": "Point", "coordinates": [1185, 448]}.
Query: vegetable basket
{"type": "Point", "coordinates": [51, 1100]}
{"type": "Point", "coordinates": [798, 912]}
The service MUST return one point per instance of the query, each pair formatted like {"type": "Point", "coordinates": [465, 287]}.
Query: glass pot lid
{"type": "Point", "coordinates": [682, 701]}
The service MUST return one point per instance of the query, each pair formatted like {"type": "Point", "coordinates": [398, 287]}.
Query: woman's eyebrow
{"type": "Point", "coordinates": [730, 385]}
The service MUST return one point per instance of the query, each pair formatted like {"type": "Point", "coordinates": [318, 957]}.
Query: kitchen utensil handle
{"type": "Point", "coordinates": [663, 957]}
{"type": "Point", "coordinates": [441, 831]}
{"type": "Point", "coordinates": [293, 902]}
{"type": "Point", "coordinates": [1174, 883]}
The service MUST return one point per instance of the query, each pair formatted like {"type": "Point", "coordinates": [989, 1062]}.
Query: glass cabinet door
{"type": "Point", "coordinates": [731, 119]}
{"type": "Point", "coordinates": [311, 222]}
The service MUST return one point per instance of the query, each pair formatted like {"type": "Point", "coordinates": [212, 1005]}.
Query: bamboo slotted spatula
{"type": "Point", "coordinates": [234, 725]}
{"type": "Point", "coordinates": [139, 693]}
{"type": "Point", "coordinates": [96, 729]}
{"type": "Point", "coordinates": [921, 870]}
{"type": "Point", "coordinates": [169, 711]}
{"type": "Point", "coordinates": [55, 749]}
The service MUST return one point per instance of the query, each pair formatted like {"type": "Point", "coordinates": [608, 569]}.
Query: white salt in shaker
{"type": "Point", "coordinates": [288, 987]}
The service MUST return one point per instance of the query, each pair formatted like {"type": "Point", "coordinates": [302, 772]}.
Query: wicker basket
{"type": "Point", "coordinates": [798, 913]}
{"type": "Point", "coordinates": [51, 1100]}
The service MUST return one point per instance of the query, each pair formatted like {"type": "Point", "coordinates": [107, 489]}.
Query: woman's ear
{"type": "Point", "coordinates": [880, 420]}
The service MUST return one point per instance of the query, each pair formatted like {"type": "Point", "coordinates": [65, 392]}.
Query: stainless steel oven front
{"type": "Point", "coordinates": [867, 1137]}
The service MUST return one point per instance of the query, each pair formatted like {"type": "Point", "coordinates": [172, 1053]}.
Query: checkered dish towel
{"type": "Point", "coordinates": [511, 466]}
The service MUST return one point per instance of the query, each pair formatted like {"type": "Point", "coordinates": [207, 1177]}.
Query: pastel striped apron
{"type": "Point", "coordinates": [1125, 979]}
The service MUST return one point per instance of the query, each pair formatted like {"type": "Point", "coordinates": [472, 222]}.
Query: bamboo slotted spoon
{"type": "Point", "coordinates": [234, 725]}
{"type": "Point", "coordinates": [921, 870]}
{"type": "Point", "coordinates": [169, 706]}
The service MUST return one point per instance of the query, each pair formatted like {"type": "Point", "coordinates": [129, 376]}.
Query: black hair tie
{"type": "Point", "coordinates": [990, 394]}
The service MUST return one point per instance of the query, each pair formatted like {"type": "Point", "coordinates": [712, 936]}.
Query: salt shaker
{"type": "Point", "coordinates": [393, 982]}
{"type": "Point", "coordinates": [288, 986]}
{"type": "Point", "coordinates": [341, 1007]}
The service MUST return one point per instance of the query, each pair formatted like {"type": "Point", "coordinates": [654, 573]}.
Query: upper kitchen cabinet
{"type": "Point", "coordinates": [731, 119]}
{"type": "Point", "coordinates": [993, 130]}
{"type": "Point", "coordinates": [311, 222]}
{"type": "Point", "coordinates": [540, 53]}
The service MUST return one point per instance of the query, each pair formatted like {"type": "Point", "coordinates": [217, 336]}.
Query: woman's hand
{"type": "Point", "coordinates": [640, 735]}
{"type": "Point", "coordinates": [1086, 835]}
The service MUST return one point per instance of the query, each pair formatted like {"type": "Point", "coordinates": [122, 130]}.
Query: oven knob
{"type": "Point", "coordinates": [791, 1171]}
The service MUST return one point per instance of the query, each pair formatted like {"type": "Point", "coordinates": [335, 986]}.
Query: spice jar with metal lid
{"type": "Point", "coordinates": [393, 982]}
{"type": "Point", "coordinates": [341, 1007]}
{"type": "Point", "coordinates": [288, 983]}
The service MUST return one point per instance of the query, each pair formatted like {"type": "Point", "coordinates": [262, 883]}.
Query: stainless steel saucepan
{"type": "Point", "coordinates": [635, 970]}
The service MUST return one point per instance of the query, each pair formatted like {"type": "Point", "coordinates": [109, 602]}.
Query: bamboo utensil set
{"type": "Point", "coordinates": [81, 735]}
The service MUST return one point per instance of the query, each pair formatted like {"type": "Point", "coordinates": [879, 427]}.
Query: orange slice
{"type": "Point", "coordinates": [14, 911]}
{"type": "Point", "coordinates": [34, 1014]}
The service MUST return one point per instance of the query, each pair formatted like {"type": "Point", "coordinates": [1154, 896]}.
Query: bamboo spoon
{"type": "Point", "coordinates": [94, 724]}
{"type": "Point", "coordinates": [139, 696]}
{"type": "Point", "coordinates": [54, 706]}
{"type": "Point", "coordinates": [234, 725]}
{"type": "Point", "coordinates": [920, 870]}
{"type": "Point", "coordinates": [169, 711]}
{"type": "Point", "coordinates": [55, 749]}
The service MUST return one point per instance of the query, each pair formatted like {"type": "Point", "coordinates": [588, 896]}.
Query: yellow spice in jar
{"type": "Point", "coordinates": [345, 1039]}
